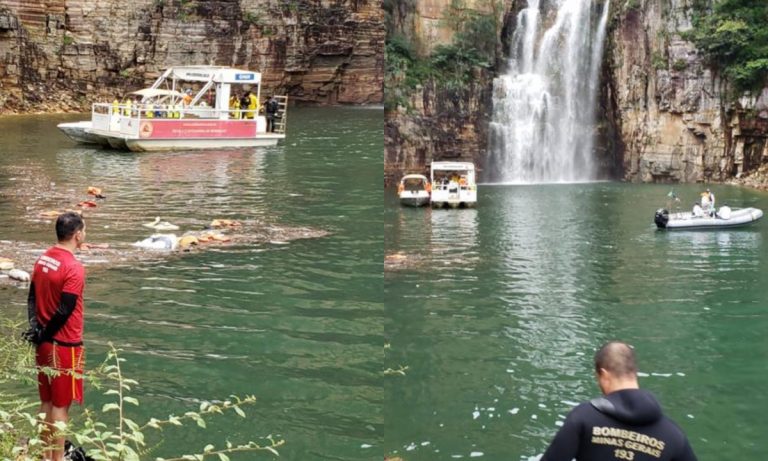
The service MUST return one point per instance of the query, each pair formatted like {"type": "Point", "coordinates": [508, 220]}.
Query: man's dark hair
{"type": "Point", "coordinates": [67, 224]}
{"type": "Point", "coordinates": [616, 357]}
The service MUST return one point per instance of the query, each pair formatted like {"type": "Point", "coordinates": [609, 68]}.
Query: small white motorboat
{"type": "Point", "coordinates": [414, 190]}
{"type": "Point", "coordinates": [724, 217]}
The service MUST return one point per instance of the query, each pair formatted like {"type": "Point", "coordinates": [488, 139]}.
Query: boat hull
{"type": "Point", "coordinates": [78, 132]}
{"type": "Point", "coordinates": [686, 221]}
{"type": "Point", "coordinates": [414, 200]}
{"type": "Point", "coordinates": [453, 204]}
{"type": "Point", "coordinates": [466, 197]}
{"type": "Point", "coordinates": [147, 145]}
{"type": "Point", "coordinates": [82, 132]}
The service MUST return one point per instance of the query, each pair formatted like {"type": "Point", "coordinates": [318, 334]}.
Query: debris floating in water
{"type": "Point", "coordinates": [18, 274]}
{"type": "Point", "coordinates": [161, 225]}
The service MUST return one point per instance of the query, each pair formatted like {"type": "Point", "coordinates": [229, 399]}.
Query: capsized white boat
{"type": "Point", "coordinates": [414, 190]}
{"type": "Point", "coordinates": [167, 118]}
{"type": "Point", "coordinates": [725, 217]}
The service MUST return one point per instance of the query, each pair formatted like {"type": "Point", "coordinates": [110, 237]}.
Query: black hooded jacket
{"type": "Point", "coordinates": [626, 425]}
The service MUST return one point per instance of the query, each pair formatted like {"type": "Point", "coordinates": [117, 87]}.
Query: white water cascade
{"type": "Point", "coordinates": [542, 128]}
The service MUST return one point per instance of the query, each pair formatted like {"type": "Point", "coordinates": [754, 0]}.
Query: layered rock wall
{"type": "Point", "coordinates": [441, 124]}
{"type": "Point", "coordinates": [65, 54]}
{"type": "Point", "coordinates": [438, 123]}
{"type": "Point", "coordinates": [672, 114]}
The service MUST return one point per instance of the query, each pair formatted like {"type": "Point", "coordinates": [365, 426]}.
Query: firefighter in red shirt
{"type": "Point", "coordinates": [55, 307]}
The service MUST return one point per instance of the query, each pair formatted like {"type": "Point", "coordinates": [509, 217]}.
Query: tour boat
{"type": "Point", "coordinates": [414, 190]}
{"type": "Point", "coordinates": [725, 217]}
{"type": "Point", "coordinates": [186, 108]}
{"type": "Point", "coordinates": [453, 184]}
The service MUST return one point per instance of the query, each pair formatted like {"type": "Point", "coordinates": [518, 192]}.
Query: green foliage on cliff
{"type": "Point", "coordinates": [448, 66]}
{"type": "Point", "coordinates": [733, 36]}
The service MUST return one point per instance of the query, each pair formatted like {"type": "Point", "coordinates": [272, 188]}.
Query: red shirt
{"type": "Point", "coordinates": [56, 272]}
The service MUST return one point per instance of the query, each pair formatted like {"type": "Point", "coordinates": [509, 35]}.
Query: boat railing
{"type": "Point", "coordinates": [281, 117]}
{"type": "Point", "coordinates": [447, 186]}
{"type": "Point", "coordinates": [125, 119]}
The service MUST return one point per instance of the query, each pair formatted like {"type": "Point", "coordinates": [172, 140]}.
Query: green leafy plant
{"type": "Point", "coordinates": [449, 66]}
{"type": "Point", "coordinates": [658, 61]}
{"type": "Point", "coordinates": [679, 65]}
{"type": "Point", "coordinates": [630, 5]}
{"type": "Point", "coordinates": [252, 18]}
{"type": "Point", "coordinates": [123, 439]}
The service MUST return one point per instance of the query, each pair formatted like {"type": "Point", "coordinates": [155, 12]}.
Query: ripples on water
{"type": "Point", "coordinates": [500, 315]}
{"type": "Point", "coordinates": [297, 324]}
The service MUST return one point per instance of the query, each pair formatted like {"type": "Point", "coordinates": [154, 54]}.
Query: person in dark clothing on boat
{"type": "Point", "coordinates": [271, 112]}
{"type": "Point", "coordinates": [626, 423]}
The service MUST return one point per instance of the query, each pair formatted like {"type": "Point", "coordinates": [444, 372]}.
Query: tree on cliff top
{"type": "Point", "coordinates": [733, 36]}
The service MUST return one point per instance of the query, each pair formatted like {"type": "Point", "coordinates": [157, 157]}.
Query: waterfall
{"type": "Point", "coordinates": [543, 126]}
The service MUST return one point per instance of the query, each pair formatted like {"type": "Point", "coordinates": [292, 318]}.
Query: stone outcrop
{"type": "Point", "coordinates": [672, 113]}
{"type": "Point", "coordinates": [65, 54]}
{"type": "Point", "coordinates": [440, 124]}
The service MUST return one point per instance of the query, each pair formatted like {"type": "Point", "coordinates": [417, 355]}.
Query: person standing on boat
{"type": "Point", "coordinates": [253, 105]}
{"type": "Point", "coordinates": [625, 424]}
{"type": "Point", "coordinates": [55, 307]}
{"type": "Point", "coordinates": [271, 112]}
{"type": "Point", "coordinates": [187, 98]}
{"type": "Point", "coordinates": [708, 202]}
{"type": "Point", "coordinates": [234, 106]}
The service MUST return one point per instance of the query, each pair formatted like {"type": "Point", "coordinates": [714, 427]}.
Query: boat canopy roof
{"type": "Point", "coordinates": [453, 166]}
{"type": "Point", "coordinates": [216, 74]}
{"type": "Point", "coordinates": [414, 176]}
{"type": "Point", "coordinates": [156, 92]}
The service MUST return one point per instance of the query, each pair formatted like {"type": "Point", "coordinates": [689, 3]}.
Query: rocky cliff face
{"type": "Point", "coordinates": [441, 124]}
{"type": "Point", "coordinates": [664, 116]}
{"type": "Point", "coordinates": [672, 115]}
{"type": "Point", "coordinates": [67, 53]}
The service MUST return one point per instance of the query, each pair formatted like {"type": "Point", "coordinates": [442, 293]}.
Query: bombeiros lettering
{"type": "Point", "coordinates": [628, 440]}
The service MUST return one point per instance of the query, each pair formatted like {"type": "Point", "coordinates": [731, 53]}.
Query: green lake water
{"type": "Point", "coordinates": [497, 312]}
{"type": "Point", "coordinates": [298, 324]}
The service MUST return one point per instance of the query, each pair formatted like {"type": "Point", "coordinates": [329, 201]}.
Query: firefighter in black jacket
{"type": "Point", "coordinates": [625, 424]}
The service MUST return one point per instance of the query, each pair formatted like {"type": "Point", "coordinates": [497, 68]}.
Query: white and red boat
{"type": "Point", "coordinates": [172, 115]}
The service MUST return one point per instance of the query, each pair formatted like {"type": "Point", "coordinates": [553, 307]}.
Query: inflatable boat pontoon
{"type": "Point", "coordinates": [725, 217]}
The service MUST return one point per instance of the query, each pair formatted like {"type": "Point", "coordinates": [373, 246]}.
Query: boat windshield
{"type": "Point", "coordinates": [413, 184]}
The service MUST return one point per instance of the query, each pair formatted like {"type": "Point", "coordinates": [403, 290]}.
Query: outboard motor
{"type": "Point", "coordinates": [661, 218]}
